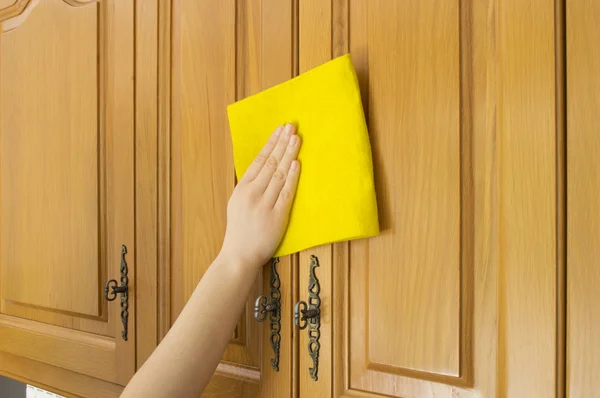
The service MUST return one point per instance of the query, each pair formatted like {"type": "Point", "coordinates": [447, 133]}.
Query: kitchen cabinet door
{"type": "Point", "coordinates": [458, 296]}
{"type": "Point", "coordinates": [583, 198]}
{"type": "Point", "coordinates": [222, 51]}
{"type": "Point", "coordinates": [67, 193]}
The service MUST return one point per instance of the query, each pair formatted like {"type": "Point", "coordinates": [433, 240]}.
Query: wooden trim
{"type": "Point", "coordinates": [120, 126]}
{"type": "Point", "coordinates": [295, 258]}
{"type": "Point", "coordinates": [80, 352]}
{"type": "Point", "coordinates": [79, 3]}
{"type": "Point", "coordinates": [527, 245]}
{"type": "Point", "coordinates": [561, 195]}
{"type": "Point", "coordinates": [175, 168]}
{"type": "Point", "coordinates": [467, 193]}
{"type": "Point", "coordinates": [55, 379]}
{"type": "Point", "coordinates": [164, 168]}
{"type": "Point", "coordinates": [341, 251]}
{"type": "Point", "coordinates": [146, 185]}
{"type": "Point", "coordinates": [13, 16]}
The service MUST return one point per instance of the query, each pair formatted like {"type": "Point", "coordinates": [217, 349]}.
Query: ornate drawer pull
{"type": "Point", "coordinates": [123, 290]}
{"type": "Point", "coordinates": [310, 315]}
{"type": "Point", "coordinates": [272, 306]}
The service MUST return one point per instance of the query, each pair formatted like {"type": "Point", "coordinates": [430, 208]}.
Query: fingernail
{"type": "Point", "coordinates": [295, 165]}
{"type": "Point", "coordinates": [289, 128]}
{"type": "Point", "coordinates": [278, 130]}
{"type": "Point", "coordinates": [293, 140]}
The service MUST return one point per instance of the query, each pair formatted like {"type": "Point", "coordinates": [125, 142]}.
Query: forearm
{"type": "Point", "coordinates": [257, 216]}
{"type": "Point", "coordinates": [185, 360]}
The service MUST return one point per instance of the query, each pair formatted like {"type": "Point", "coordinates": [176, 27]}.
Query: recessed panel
{"type": "Point", "coordinates": [49, 154]}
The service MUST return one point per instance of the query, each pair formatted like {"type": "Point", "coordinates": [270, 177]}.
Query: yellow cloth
{"type": "Point", "coordinates": [335, 200]}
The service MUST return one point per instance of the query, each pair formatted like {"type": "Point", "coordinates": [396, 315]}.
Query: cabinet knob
{"type": "Point", "coordinates": [309, 315]}
{"type": "Point", "coordinates": [272, 306]}
{"type": "Point", "coordinates": [112, 289]}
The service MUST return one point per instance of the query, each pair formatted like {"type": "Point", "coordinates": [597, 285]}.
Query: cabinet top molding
{"type": "Point", "coordinates": [14, 15]}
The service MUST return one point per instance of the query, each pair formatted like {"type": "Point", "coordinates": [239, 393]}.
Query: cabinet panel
{"type": "Point", "coordinates": [221, 52]}
{"type": "Point", "coordinates": [414, 108]}
{"type": "Point", "coordinates": [583, 198]}
{"type": "Point", "coordinates": [66, 183]}
{"type": "Point", "coordinates": [457, 297]}
{"type": "Point", "coordinates": [51, 160]}
{"type": "Point", "coordinates": [314, 49]}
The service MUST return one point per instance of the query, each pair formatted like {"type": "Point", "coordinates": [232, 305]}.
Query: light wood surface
{"type": "Point", "coordinates": [55, 379]}
{"type": "Point", "coordinates": [491, 69]}
{"type": "Point", "coordinates": [232, 54]}
{"type": "Point", "coordinates": [314, 49]}
{"type": "Point", "coordinates": [583, 198]}
{"type": "Point", "coordinates": [146, 184]}
{"type": "Point", "coordinates": [204, 84]}
{"type": "Point", "coordinates": [414, 266]}
{"type": "Point", "coordinates": [50, 163]}
{"type": "Point", "coordinates": [527, 282]}
{"type": "Point", "coordinates": [4, 4]}
{"type": "Point", "coordinates": [67, 187]}
{"type": "Point", "coordinates": [469, 291]}
{"type": "Point", "coordinates": [267, 62]}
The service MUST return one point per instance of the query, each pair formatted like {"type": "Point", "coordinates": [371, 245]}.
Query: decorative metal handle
{"type": "Point", "coordinates": [273, 306]}
{"type": "Point", "coordinates": [310, 315]}
{"type": "Point", "coordinates": [111, 289]}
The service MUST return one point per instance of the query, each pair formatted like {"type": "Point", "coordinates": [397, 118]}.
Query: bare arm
{"type": "Point", "coordinates": [257, 217]}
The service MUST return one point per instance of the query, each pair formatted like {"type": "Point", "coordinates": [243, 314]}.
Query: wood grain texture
{"type": "Point", "coordinates": [314, 49]}
{"type": "Point", "coordinates": [67, 186]}
{"type": "Point", "coordinates": [505, 98]}
{"type": "Point", "coordinates": [268, 61]}
{"type": "Point", "coordinates": [416, 145]}
{"type": "Point", "coordinates": [50, 161]}
{"type": "Point", "coordinates": [234, 54]}
{"type": "Point", "coordinates": [13, 13]}
{"type": "Point", "coordinates": [55, 379]}
{"type": "Point", "coordinates": [339, 293]}
{"type": "Point", "coordinates": [87, 354]}
{"type": "Point", "coordinates": [406, 299]}
{"type": "Point", "coordinates": [146, 183]}
{"type": "Point", "coordinates": [560, 48]}
{"type": "Point", "coordinates": [527, 295]}
{"type": "Point", "coordinates": [205, 83]}
{"type": "Point", "coordinates": [164, 168]}
{"type": "Point", "coordinates": [120, 193]}
{"type": "Point", "coordinates": [4, 4]}
{"type": "Point", "coordinates": [583, 198]}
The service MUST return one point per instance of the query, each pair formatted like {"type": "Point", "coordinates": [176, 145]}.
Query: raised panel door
{"type": "Point", "coordinates": [223, 51]}
{"type": "Point", "coordinates": [66, 184]}
{"type": "Point", "coordinates": [459, 295]}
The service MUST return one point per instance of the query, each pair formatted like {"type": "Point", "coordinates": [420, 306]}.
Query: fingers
{"type": "Point", "coordinates": [270, 167]}
{"type": "Point", "coordinates": [288, 192]}
{"type": "Point", "coordinates": [262, 156]}
{"type": "Point", "coordinates": [279, 177]}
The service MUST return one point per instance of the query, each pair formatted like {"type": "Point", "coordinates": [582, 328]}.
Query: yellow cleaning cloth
{"type": "Point", "coordinates": [335, 200]}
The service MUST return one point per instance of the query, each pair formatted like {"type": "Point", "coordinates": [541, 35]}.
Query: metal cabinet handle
{"type": "Point", "coordinates": [272, 306]}
{"type": "Point", "coordinates": [112, 288]}
{"type": "Point", "coordinates": [310, 315]}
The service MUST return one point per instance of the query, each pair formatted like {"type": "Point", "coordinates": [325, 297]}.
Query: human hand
{"type": "Point", "coordinates": [258, 210]}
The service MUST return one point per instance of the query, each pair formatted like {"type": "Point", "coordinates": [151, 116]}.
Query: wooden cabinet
{"type": "Point", "coordinates": [67, 198]}
{"type": "Point", "coordinates": [483, 122]}
{"type": "Point", "coordinates": [583, 198]}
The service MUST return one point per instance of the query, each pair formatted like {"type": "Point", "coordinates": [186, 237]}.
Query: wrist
{"type": "Point", "coordinates": [237, 262]}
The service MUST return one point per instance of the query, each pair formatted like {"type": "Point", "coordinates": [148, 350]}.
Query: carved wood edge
{"type": "Point", "coordinates": [13, 16]}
